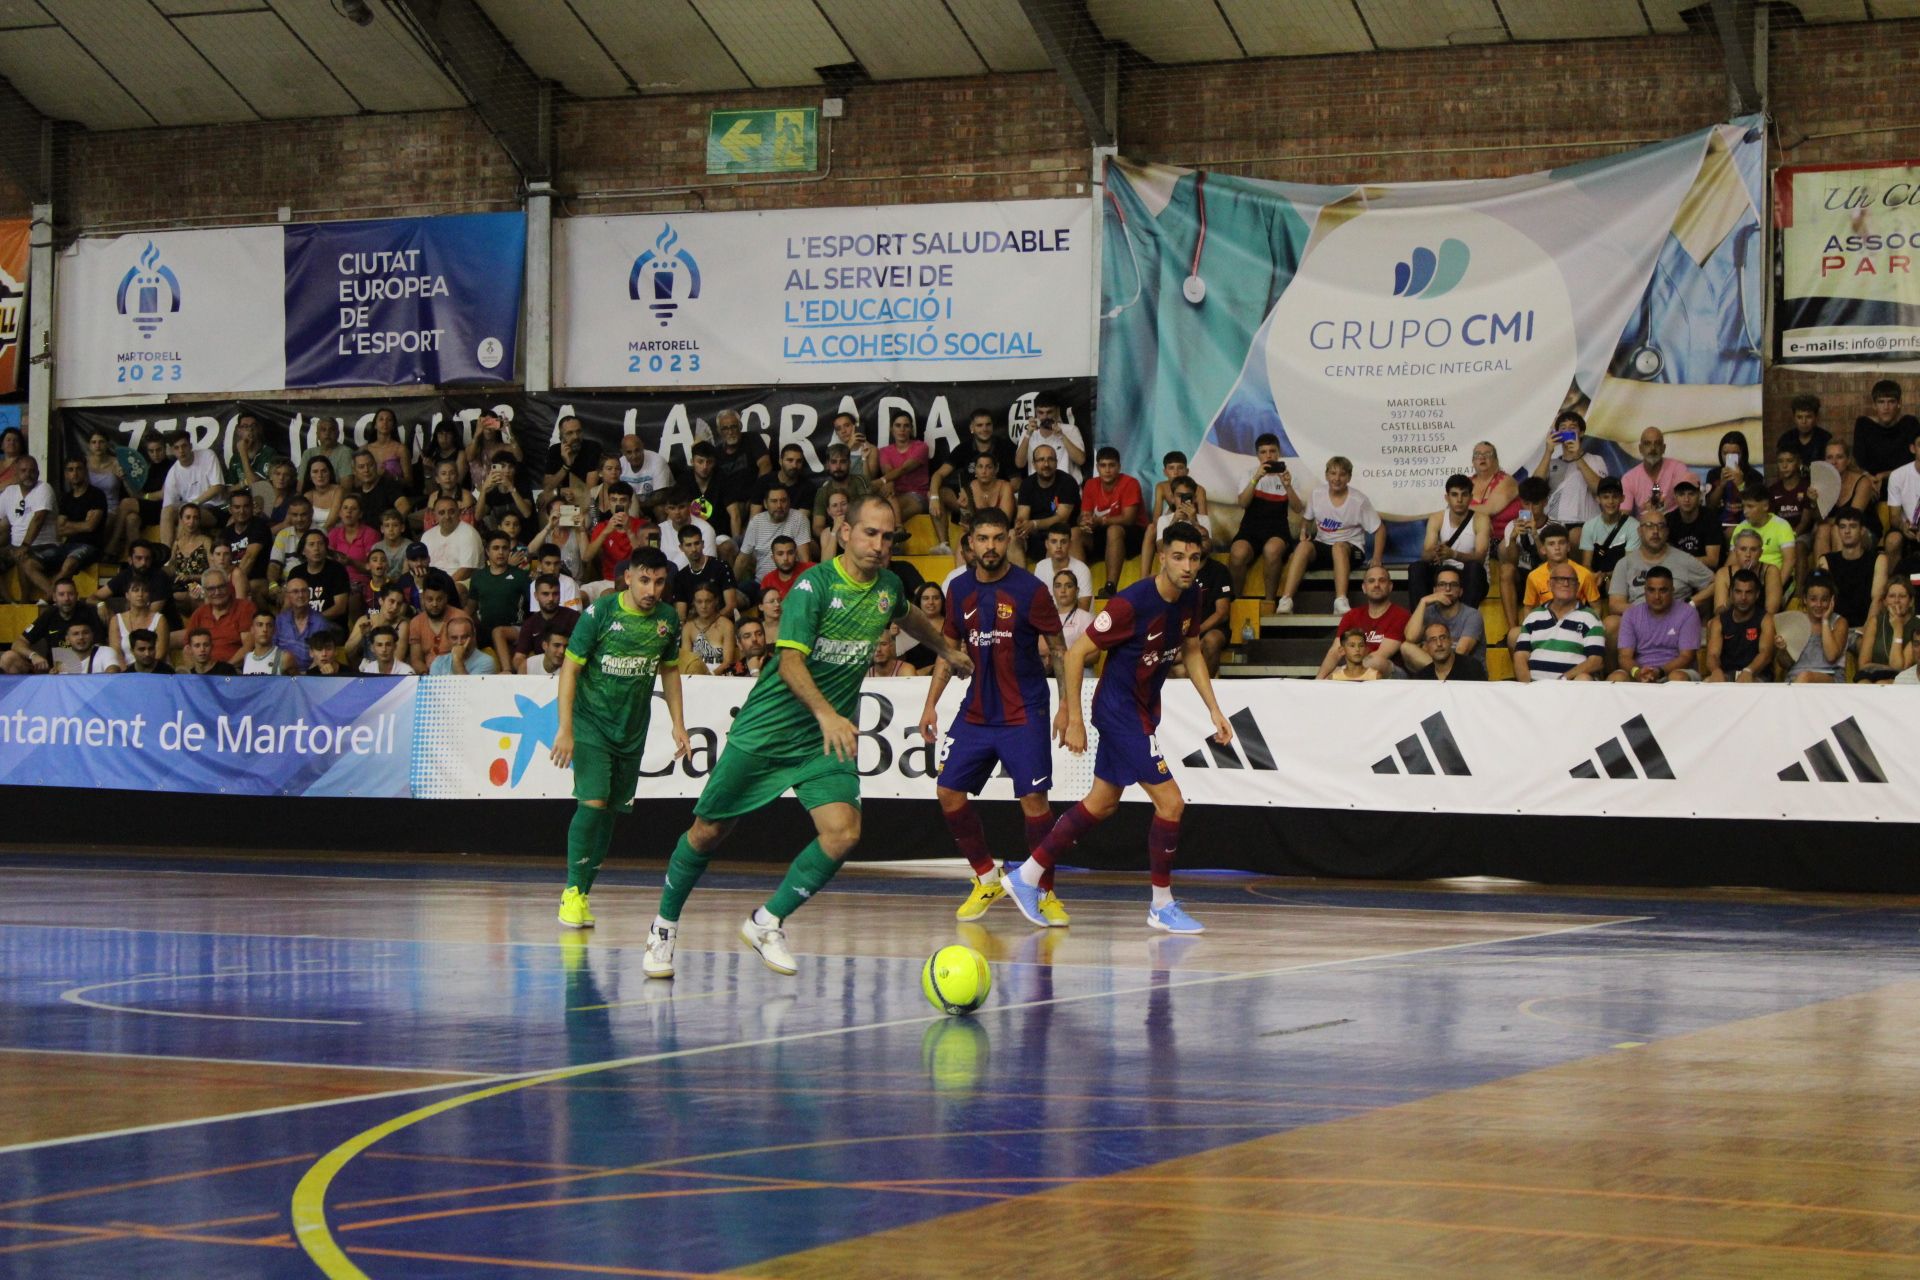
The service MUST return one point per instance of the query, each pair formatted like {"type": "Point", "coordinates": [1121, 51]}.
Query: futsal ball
{"type": "Point", "coordinates": [956, 980]}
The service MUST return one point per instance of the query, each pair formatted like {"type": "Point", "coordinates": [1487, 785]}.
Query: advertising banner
{"type": "Point", "coordinates": [926, 292]}
{"type": "Point", "coordinates": [1849, 239]}
{"type": "Point", "coordinates": [1399, 324]}
{"type": "Point", "coordinates": [13, 300]}
{"type": "Point", "coordinates": [207, 735]}
{"type": "Point", "coordinates": [404, 300]}
{"type": "Point", "coordinates": [383, 303]}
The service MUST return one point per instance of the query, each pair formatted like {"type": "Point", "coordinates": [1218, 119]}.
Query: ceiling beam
{"type": "Point", "coordinates": [26, 142]}
{"type": "Point", "coordinates": [1086, 61]}
{"type": "Point", "coordinates": [1733, 22]}
{"type": "Point", "coordinates": [515, 104]}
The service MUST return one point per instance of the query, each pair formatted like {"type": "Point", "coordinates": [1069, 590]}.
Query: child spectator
{"type": "Point", "coordinates": [1341, 519]}
{"type": "Point", "coordinates": [1353, 657]}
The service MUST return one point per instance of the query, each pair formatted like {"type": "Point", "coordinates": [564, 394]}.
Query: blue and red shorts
{"type": "Point", "coordinates": [1129, 754]}
{"type": "Point", "coordinates": [974, 749]}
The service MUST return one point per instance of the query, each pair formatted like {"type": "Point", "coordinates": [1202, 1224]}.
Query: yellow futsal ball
{"type": "Point", "coordinates": [956, 980]}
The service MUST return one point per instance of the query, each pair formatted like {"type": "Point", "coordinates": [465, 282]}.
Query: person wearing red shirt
{"type": "Point", "coordinates": [787, 567]}
{"type": "Point", "coordinates": [614, 538]}
{"type": "Point", "coordinates": [1383, 621]}
{"type": "Point", "coordinates": [223, 617]}
{"type": "Point", "coordinates": [1113, 516]}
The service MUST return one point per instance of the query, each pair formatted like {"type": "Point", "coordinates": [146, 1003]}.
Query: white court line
{"type": "Point", "coordinates": [243, 1062]}
{"type": "Point", "coordinates": [618, 1063]}
{"type": "Point", "coordinates": [78, 995]}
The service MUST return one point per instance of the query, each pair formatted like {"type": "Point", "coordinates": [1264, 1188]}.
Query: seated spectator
{"type": "Point", "coordinates": [136, 612]}
{"type": "Point", "coordinates": [191, 553]}
{"type": "Point", "coordinates": [144, 655]}
{"type": "Point", "coordinates": [547, 560]}
{"type": "Point", "coordinates": [299, 621]}
{"type": "Point", "coordinates": [1573, 474]}
{"type": "Point", "coordinates": [1560, 640]}
{"type": "Point", "coordinates": [501, 493]}
{"type": "Point", "coordinates": [383, 643]}
{"type": "Point", "coordinates": [262, 657]}
{"type": "Point", "coordinates": [1183, 500]}
{"type": "Point", "coordinates": [787, 566]}
{"type": "Point", "coordinates": [706, 640]}
{"type": "Point", "coordinates": [777, 520]}
{"type": "Point", "coordinates": [463, 656]}
{"type": "Point", "coordinates": [862, 457]}
{"type": "Point", "coordinates": [327, 444]}
{"type": "Point", "coordinates": [791, 475]}
{"type": "Point", "coordinates": [1858, 492]}
{"type": "Point", "coordinates": [1046, 500]}
{"type": "Point", "coordinates": [1494, 491]}
{"type": "Point", "coordinates": [1440, 659]}
{"type": "Point", "coordinates": [1692, 582]}
{"type": "Point", "coordinates": [603, 500]}
{"type": "Point", "coordinates": [497, 595]}
{"type": "Point", "coordinates": [107, 474]}
{"type": "Point", "coordinates": [547, 617]}
{"type": "Point", "coordinates": [223, 617]}
{"type": "Point", "coordinates": [271, 496]}
{"type": "Point", "coordinates": [701, 569]}
{"type": "Point", "coordinates": [390, 611]}
{"type": "Point", "coordinates": [323, 654]}
{"type": "Point", "coordinates": [1605, 538]}
{"type": "Point", "coordinates": [1823, 659]}
{"type": "Point", "coordinates": [932, 602]}
{"type": "Point", "coordinates": [1382, 622]}
{"type": "Point", "coordinates": [324, 491]}
{"type": "Point", "coordinates": [1556, 546]}
{"type": "Point", "coordinates": [378, 492]}
{"type": "Point", "coordinates": [196, 476]}
{"type": "Point", "coordinates": [1777, 545]}
{"type": "Point", "coordinates": [751, 643]}
{"type": "Point", "coordinates": [197, 656]}
{"type": "Point", "coordinates": [885, 661]}
{"type": "Point", "coordinates": [453, 547]}
{"type": "Point", "coordinates": [1903, 498]}
{"type": "Point", "coordinates": [379, 578]}
{"type": "Point", "coordinates": [249, 539]}
{"type": "Point", "coordinates": [1341, 519]}
{"type": "Point", "coordinates": [1457, 539]}
{"type": "Point", "coordinates": [770, 609]}
{"type": "Point", "coordinates": [394, 538]}
{"type": "Point", "coordinates": [1887, 647]}
{"type": "Point", "coordinates": [1112, 517]}
{"type": "Point", "coordinates": [143, 563]}
{"type": "Point", "coordinates": [1806, 437]}
{"type": "Point", "coordinates": [700, 480]}
{"type": "Point", "coordinates": [1465, 627]}
{"type": "Point", "coordinates": [1352, 664]}
{"type": "Point", "coordinates": [1659, 639]}
{"type": "Point", "coordinates": [81, 654]}
{"type": "Point", "coordinates": [1792, 499]}
{"type": "Point", "coordinates": [150, 491]}
{"type": "Point", "coordinates": [678, 516]}
{"type": "Point", "coordinates": [839, 480]}
{"type": "Point", "coordinates": [1858, 575]}
{"type": "Point", "coordinates": [1521, 549]}
{"type": "Point", "coordinates": [330, 591]}
{"type": "Point", "coordinates": [1726, 484]}
{"type": "Point", "coordinates": [954, 466]}
{"type": "Point", "coordinates": [79, 521]}
{"type": "Point", "coordinates": [1883, 437]}
{"type": "Point", "coordinates": [1744, 553]}
{"type": "Point", "coordinates": [33, 544]}
{"type": "Point", "coordinates": [1215, 623]}
{"type": "Point", "coordinates": [571, 461]}
{"type": "Point", "coordinates": [1071, 605]}
{"type": "Point", "coordinates": [286, 543]}
{"type": "Point", "coordinates": [642, 468]}
{"type": "Point", "coordinates": [551, 657]}
{"type": "Point", "coordinates": [1049, 427]}
{"type": "Point", "coordinates": [739, 460]}
{"type": "Point", "coordinates": [351, 541]}
{"type": "Point", "coordinates": [390, 447]}
{"type": "Point", "coordinates": [1060, 560]}
{"type": "Point", "coordinates": [427, 638]}
{"type": "Point", "coordinates": [1740, 640]}
{"type": "Point", "coordinates": [444, 445]}
{"type": "Point", "coordinates": [1652, 482]}
{"type": "Point", "coordinates": [562, 535]}
{"type": "Point", "coordinates": [490, 437]}
{"type": "Point", "coordinates": [1265, 529]}
{"type": "Point", "coordinates": [1694, 529]}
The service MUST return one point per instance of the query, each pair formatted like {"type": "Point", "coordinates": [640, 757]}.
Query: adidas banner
{"type": "Point", "coordinates": [1399, 324]}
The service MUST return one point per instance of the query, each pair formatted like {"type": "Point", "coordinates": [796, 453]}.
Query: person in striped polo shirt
{"type": "Point", "coordinates": [1560, 640]}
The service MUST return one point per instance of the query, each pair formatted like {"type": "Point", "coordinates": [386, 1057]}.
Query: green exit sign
{"type": "Point", "coordinates": [777, 140]}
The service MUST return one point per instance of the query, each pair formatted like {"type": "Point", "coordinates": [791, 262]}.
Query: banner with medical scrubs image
{"type": "Point", "coordinates": [1398, 324]}
{"type": "Point", "coordinates": [924, 293]}
{"type": "Point", "coordinates": [1849, 243]}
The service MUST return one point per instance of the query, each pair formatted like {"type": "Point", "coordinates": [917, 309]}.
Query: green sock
{"type": "Point", "coordinates": [684, 870]}
{"type": "Point", "coordinates": [589, 836]}
{"type": "Point", "coordinates": [807, 876]}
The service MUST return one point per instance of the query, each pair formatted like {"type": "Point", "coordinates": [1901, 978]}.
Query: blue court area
{"type": "Point", "coordinates": [608, 1125]}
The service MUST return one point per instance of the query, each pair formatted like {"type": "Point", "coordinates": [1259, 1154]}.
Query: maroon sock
{"type": "Point", "coordinates": [1037, 830]}
{"type": "Point", "coordinates": [1163, 842]}
{"type": "Point", "coordinates": [1066, 833]}
{"type": "Point", "coordinates": [964, 823]}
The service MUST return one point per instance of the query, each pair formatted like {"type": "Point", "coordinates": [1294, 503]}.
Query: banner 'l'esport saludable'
{"type": "Point", "coordinates": [1399, 324]}
{"type": "Point", "coordinates": [1849, 242]}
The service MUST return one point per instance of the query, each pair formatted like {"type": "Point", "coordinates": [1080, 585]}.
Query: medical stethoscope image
{"type": "Point", "coordinates": [1645, 360]}
{"type": "Point", "coordinates": [1194, 287]}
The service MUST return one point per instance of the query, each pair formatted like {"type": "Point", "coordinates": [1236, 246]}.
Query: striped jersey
{"type": "Point", "coordinates": [1555, 646]}
{"type": "Point", "coordinates": [1000, 623]}
{"type": "Point", "coordinates": [1143, 635]}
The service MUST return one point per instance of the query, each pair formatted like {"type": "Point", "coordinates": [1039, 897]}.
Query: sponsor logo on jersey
{"type": "Point", "coordinates": [613, 665]}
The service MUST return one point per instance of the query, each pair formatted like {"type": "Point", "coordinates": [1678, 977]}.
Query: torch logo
{"type": "Point", "coordinates": [142, 289]}
{"type": "Point", "coordinates": [664, 276]}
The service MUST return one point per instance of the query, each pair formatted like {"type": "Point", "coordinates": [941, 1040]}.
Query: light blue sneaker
{"type": "Point", "coordinates": [1025, 896]}
{"type": "Point", "coordinates": [1172, 919]}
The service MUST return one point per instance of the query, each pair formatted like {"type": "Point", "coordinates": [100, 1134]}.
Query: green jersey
{"type": "Point", "coordinates": [619, 650]}
{"type": "Point", "coordinates": [833, 623]}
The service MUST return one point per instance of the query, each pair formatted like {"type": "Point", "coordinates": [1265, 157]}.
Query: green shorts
{"type": "Point", "coordinates": [742, 782]}
{"type": "Point", "coordinates": [601, 774]}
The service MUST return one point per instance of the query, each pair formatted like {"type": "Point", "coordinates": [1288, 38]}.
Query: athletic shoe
{"type": "Point", "coordinates": [1105, 592]}
{"type": "Point", "coordinates": [1283, 605]}
{"type": "Point", "coordinates": [771, 942]}
{"type": "Point", "coordinates": [1341, 605]}
{"type": "Point", "coordinates": [574, 912]}
{"type": "Point", "coordinates": [1056, 914]}
{"type": "Point", "coordinates": [1172, 919]}
{"type": "Point", "coordinates": [939, 549]}
{"type": "Point", "coordinates": [983, 896]}
{"type": "Point", "coordinates": [658, 960]}
{"type": "Point", "coordinates": [1025, 896]}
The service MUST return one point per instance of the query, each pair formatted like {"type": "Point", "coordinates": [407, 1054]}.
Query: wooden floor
{"type": "Point", "coordinates": [383, 1067]}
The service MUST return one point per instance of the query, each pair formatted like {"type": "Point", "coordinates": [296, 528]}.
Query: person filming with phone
{"type": "Point", "coordinates": [1264, 528]}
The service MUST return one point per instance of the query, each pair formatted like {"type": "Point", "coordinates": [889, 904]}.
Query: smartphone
{"type": "Point", "coordinates": [1564, 437]}
{"type": "Point", "coordinates": [1273, 468]}
{"type": "Point", "coordinates": [567, 516]}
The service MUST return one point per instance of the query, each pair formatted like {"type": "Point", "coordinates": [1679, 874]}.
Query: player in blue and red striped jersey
{"type": "Point", "coordinates": [1145, 630]}
{"type": "Point", "coordinates": [1002, 614]}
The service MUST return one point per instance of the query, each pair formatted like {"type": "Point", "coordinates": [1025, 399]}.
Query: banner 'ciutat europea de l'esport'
{"type": "Point", "coordinates": [1397, 324]}
{"type": "Point", "coordinates": [1849, 244]}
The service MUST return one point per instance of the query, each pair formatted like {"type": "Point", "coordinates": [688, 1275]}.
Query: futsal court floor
{"type": "Point", "coordinates": [386, 1067]}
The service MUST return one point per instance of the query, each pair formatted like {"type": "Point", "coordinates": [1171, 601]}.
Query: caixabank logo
{"type": "Point", "coordinates": [665, 277]}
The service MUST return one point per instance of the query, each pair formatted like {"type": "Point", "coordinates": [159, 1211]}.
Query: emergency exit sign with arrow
{"type": "Point", "coordinates": [778, 140]}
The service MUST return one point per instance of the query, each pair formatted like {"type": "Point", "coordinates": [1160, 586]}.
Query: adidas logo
{"type": "Point", "coordinates": [1246, 735]}
{"type": "Point", "coordinates": [1826, 768]}
{"type": "Point", "coordinates": [1640, 741]}
{"type": "Point", "coordinates": [1418, 757]}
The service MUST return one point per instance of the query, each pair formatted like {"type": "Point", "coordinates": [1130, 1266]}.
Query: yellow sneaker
{"type": "Point", "coordinates": [1057, 917]}
{"type": "Point", "coordinates": [574, 913]}
{"type": "Point", "coordinates": [982, 897]}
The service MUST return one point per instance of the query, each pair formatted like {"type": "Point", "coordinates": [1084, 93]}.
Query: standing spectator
{"type": "Point", "coordinates": [1659, 640]}
{"type": "Point", "coordinates": [1466, 629]}
{"type": "Point", "coordinates": [498, 597]}
{"type": "Point", "coordinates": [1858, 492]}
{"type": "Point", "coordinates": [1653, 480]}
{"type": "Point", "coordinates": [904, 475]}
{"type": "Point", "coordinates": [32, 650]}
{"type": "Point", "coordinates": [1806, 437]}
{"type": "Point", "coordinates": [572, 460]}
{"type": "Point", "coordinates": [1745, 554]}
{"type": "Point", "coordinates": [1049, 427]}
{"type": "Point", "coordinates": [1522, 550]}
{"type": "Point", "coordinates": [299, 622]}
{"type": "Point", "coordinates": [80, 521]}
{"type": "Point", "coordinates": [144, 655]}
{"type": "Point", "coordinates": [547, 617]}
{"type": "Point", "coordinates": [390, 448]}
{"type": "Point", "coordinates": [642, 468]}
{"type": "Point", "coordinates": [792, 476]}
{"type": "Point", "coordinates": [1112, 517]}
{"type": "Point", "coordinates": [463, 657]}
{"type": "Point", "coordinates": [33, 544]}
{"type": "Point", "coordinates": [452, 547]}
{"type": "Point", "coordinates": [427, 638]}
{"type": "Point", "coordinates": [706, 641]}
{"type": "Point", "coordinates": [751, 642]}
{"type": "Point", "coordinates": [1888, 646]}
{"type": "Point", "coordinates": [1573, 475]}
{"type": "Point", "coordinates": [222, 617]}
{"type": "Point", "coordinates": [198, 659]}
{"type": "Point", "coordinates": [262, 657]}
{"type": "Point", "coordinates": [329, 590]}
{"type": "Point", "coordinates": [1559, 640]}
{"type": "Point", "coordinates": [1883, 438]}
{"type": "Point", "coordinates": [1439, 659]}
{"type": "Point", "coordinates": [1340, 518]}
{"type": "Point", "coordinates": [137, 613]}
{"type": "Point", "coordinates": [1457, 539]}
{"type": "Point", "coordinates": [1740, 639]}
{"type": "Point", "coordinates": [1853, 568]}
{"type": "Point", "coordinates": [779, 520]}
{"type": "Point", "coordinates": [1727, 483]}
{"type": "Point", "coordinates": [84, 655]}
{"type": "Point", "coordinates": [382, 660]}
{"type": "Point", "coordinates": [740, 459]}
{"type": "Point", "coordinates": [1694, 529]}
{"type": "Point", "coordinates": [1352, 663]}
{"type": "Point", "coordinates": [1377, 618]}
{"type": "Point", "coordinates": [195, 477]}
{"type": "Point", "coordinates": [327, 444]}
{"type": "Point", "coordinates": [1610, 535]}
{"type": "Point", "coordinates": [1047, 500]}
{"type": "Point", "coordinates": [1823, 659]}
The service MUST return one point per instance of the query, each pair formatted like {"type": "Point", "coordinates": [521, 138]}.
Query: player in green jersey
{"type": "Point", "coordinates": [606, 700]}
{"type": "Point", "coordinates": [796, 732]}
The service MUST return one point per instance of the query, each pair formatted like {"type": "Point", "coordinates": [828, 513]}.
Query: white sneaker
{"type": "Point", "coordinates": [1284, 605]}
{"type": "Point", "coordinates": [658, 961]}
{"type": "Point", "coordinates": [939, 549]}
{"type": "Point", "coordinates": [1341, 604]}
{"type": "Point", "coordinates": [771, 942]}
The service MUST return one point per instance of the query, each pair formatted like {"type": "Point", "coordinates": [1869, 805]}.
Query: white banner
{"type": "Point", "coordinates": [899, 292]}
{"type": "Point", "coordinates": [1678, 751]}
{"type": "Point", "coordinates": [168, 312]}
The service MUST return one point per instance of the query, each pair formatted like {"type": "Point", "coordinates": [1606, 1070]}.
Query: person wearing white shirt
{"type": "Point", "coordinates": [1060, 560]}
{"type": "Point", "coordinates": [452, 547]}
{"type": "Point", "coordinates": [678, 511]}
{"type": "Point", "coordinates": [778, 520]}
{"type": "Point", "coordinates": [196, 477]}
{"type": "Point", "coordinates": [642, 468]}
{"type": "Point", "coordinates": [1903, 495]}
{"type": "Point", "coordinates": [1049, 427]}
{"type": "Point", "coordinates": [382, 646]}
{"type": "Point", "coordinates": [1572, 472]}
{"type": "Point", "coordinates": [32, 534]}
